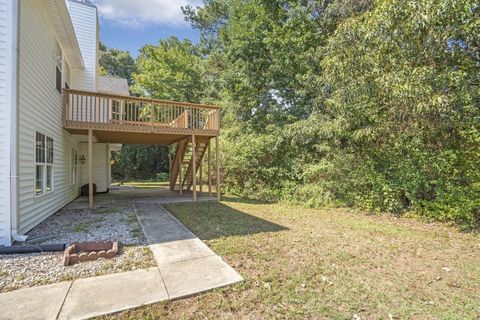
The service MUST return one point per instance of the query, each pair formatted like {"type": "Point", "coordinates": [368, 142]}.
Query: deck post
{"type": "Point", "coordinates": [209, 166]}
{"type": "Point", "coordinates": [217, 158]}
{"type": "Point", "coordinates": [200, 176]}
{"type": "Point", "coordinates": [180, 187]}
{"type": "Point", "coordinates": [90, 168]}
{"type": "Point", "coordinates": [194, 171]}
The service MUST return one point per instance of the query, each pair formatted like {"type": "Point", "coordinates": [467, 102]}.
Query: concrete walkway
{"type": "Point", "coordinates": [186, 266]}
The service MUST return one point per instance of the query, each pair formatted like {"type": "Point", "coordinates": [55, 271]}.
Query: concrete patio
{"type": "Point", "coordinates": [159, 194]}
{"type": "Point", "coordinates": [185, 266]}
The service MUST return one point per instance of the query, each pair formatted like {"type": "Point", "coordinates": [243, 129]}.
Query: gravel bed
{"type": "Point", "coordinates": [75, 225]}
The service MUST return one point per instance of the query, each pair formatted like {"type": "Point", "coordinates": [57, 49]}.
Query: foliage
{"type": "Point", "coordinates": [140, 162]}
{"type": "Point", "coordinates": [403, 100]}
{"type": "Point", "coordinates": [171, 71]}
{"type": "Point", "coordinates": [364, 103]}
{"type": "Point", "coordinates": [348, 102]}
{"type": "Point", "coordinates": [117, 63]}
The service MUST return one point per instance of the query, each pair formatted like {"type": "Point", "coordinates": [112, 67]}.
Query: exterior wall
{"type": "Point", "coordinates": [101, 165]}
{"type": "Point", "coordinates": [84, 19]}
{"type": "Point", "coordinates": [6, 71]}
{"type": "Point", "coordinates": [40, 110]}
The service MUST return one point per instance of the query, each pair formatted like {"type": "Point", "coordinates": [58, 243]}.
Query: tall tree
{"type": "Point", "coordinates": [171, 70]}
{"type": "Point", "coordinates": [117, 62]}
{"type": "Point", "coordinates": [403, 101]}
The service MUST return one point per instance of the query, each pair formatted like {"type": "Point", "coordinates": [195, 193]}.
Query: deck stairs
{"type": "Point", "coordinates": [184, 158]}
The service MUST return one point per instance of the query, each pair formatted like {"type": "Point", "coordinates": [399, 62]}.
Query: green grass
{"type": "Point", "coordinates": [328, 264]}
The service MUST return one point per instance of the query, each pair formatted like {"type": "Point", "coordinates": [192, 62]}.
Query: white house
{"type": "Point", "coordinates": [59, 119]}
{"type": "Point", "coordinates": [45, 46]}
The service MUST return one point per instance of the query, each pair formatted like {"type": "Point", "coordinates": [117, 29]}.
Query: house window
{"type": "Point", "coordinates": [73, 166]}
{"type": "Point", "coordinates": [115, 109]}
{"type": "Point", "coordinates": [43, 164]}
{"type": "Point", "coordinates": [58, 66]}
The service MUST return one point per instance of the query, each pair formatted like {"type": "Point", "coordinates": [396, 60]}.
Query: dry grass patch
{"type": "Point", "coordinates": [328, 264]}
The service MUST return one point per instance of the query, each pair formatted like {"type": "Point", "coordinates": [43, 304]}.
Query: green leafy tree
{"type": "Point", "coordinates": [140, 162]}
{"type": "Point", "coordinates": [117, 63]}
{"type": "Point", "coordinates": [172, 70]}
{"type": "Point", "coordinates": [403, 105]}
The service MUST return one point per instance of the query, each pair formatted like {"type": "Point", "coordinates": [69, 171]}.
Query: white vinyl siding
{"type": "Point", "coordinates": [6, 71]}
{"type": "Point", "coordinates": [84, 20]}
{"type": "Point", "coordinates": [101, 165]}
{"type": "Point", "coordinates": [73, 166]}
{"type": "Point", "coordinates": [40, 110]}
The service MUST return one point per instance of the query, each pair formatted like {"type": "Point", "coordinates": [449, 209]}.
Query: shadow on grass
{"type": "Point", "coordinates": [212, 220]}
{"type": "Point", "coordinates": [238, 199]}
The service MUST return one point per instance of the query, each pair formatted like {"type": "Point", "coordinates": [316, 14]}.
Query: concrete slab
{"type": "Point", "coordinates": [159, 226]}
{"type": "Point", "coordinates": [152, 215]}
{"type": "Point", "coordinates": [185, 278]}
{"type": "Point", "coordinates": [42, 302]}
{"type": "Point", "coordinates": [102, 295]}
{"type": "Point", "coordinates": [181, 250]}
{"type": "Point", "coordinates": [171, 199]}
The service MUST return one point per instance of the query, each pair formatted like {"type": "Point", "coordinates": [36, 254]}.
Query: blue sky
{"type": "Point", "coordinates": [130, 24]}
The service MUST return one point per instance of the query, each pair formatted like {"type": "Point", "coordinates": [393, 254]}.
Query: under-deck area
{"type": "Point", "coordinates": [158, 193]}
{"type": "Point", "coordinates": [187, 128]}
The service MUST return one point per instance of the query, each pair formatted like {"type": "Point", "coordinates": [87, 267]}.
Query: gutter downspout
{"type": "Point", "coordinates": [14, 203]}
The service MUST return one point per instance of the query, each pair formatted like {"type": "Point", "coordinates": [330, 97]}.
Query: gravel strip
{"type": "Point", "coordinates": [75, 225]}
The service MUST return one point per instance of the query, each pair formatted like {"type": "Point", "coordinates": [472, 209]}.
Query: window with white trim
{"type": "Point", "coordinates": [73, 166]}
{"type": "Point", "coordinates": [43, 164]}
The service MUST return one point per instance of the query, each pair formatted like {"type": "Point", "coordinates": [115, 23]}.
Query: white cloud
{"type": "Point", "coordinates": [142, 13]}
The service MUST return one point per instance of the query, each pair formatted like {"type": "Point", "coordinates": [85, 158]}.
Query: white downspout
{"type": "Point", "coordinates": [14, 123]}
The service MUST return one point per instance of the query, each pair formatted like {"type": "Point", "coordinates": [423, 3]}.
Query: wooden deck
{"type": "Point", "coordinates": [125, 119]}
{"type": "Point", "coordinates": [132, 120]}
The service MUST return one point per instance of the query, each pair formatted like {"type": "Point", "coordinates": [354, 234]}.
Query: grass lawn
{"type": "Point", "coordinates": [328, 264]}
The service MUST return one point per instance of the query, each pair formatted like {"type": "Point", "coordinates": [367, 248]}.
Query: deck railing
{"type": "Point", "coordinates": [92, 110]}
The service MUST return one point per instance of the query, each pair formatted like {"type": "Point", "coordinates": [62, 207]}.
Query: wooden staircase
{"type": "Point", "coordinates": [200, 151]}
{"type": "Point", "coordinates": [177, 162]}
{"type": "Point", "coordinates": [182, 167]}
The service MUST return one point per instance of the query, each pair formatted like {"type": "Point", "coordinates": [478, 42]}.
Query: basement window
{"type": "Point", "coordinates": [43, 164]}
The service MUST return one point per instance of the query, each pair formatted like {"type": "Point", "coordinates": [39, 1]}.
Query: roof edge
{"type": "Point", "coordinates": [66, 33]}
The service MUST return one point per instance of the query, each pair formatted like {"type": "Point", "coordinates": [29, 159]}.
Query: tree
{"type": "Point", "coordinates": [140, 162]}
{"type": "Point", "coordinates": [403, 103]}
{"type": "Point", "coordinates": [172, 70]}
{"type": "Point", "coordinates": [117, 63]}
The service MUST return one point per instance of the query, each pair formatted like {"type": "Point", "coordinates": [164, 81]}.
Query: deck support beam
{"type": "Point", "coordinates": [90, 168]}
{"type": "Point", "coordinates": [194, 171]}
{"type": "Point", "coordinates": [200, 177]}
{"type": "Point", "coordinates": [217, 158]}
{"type": "Point", "coordinates": [209, 169]}
{"type": "Point", "coordinates": [180, 187]}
